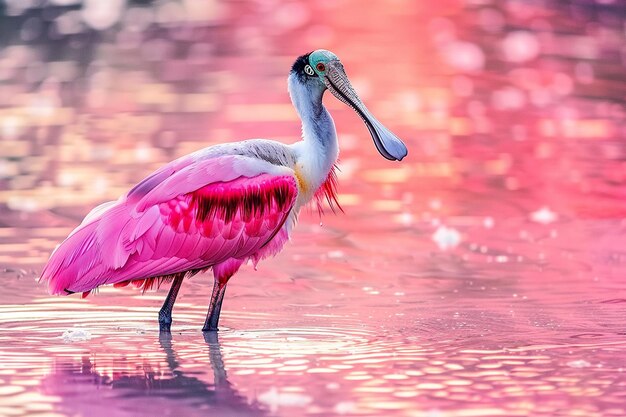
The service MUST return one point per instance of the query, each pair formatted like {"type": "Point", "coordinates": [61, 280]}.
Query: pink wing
{"type": "Point", "coordinates": [189, 215]}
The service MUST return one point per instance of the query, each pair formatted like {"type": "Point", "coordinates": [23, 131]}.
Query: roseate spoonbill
{"type": "Point", "coordinates": [218, 207]}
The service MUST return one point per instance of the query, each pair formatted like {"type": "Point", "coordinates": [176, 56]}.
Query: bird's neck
{"type": "Point", "coordinates": [319, 149]}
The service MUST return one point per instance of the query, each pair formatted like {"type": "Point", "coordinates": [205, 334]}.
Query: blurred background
{"type": "Point", "coordinates": [95, 95]}
{"type": "Point", "coordinates": [482, 275]}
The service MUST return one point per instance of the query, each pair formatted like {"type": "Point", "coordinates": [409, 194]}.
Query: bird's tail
{"type": "Point", "coordinates": [76, 264]}
{"type": "Point", "coordinates": [70, 260]}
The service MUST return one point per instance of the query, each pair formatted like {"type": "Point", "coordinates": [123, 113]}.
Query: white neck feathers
{"type": "Point", "coordinates": [318, 152]}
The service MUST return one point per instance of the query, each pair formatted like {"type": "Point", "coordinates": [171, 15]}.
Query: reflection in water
{"type": "Point", "coordinates": [483, 276]}
{"type": "Point", "coordinates": [80, 386]}
{"type": "Point", "coordinates": [414, 358]}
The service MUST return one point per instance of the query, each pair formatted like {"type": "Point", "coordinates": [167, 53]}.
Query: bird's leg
{"type": "Point", "coordinates": [221, 274]}
{"type": "Point", "coordinates": [165, 314]}
{"type": "Point", "coordinates": [213, 316]}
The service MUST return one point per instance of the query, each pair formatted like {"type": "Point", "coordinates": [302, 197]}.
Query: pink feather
{"type": "Point", "coordinates": [190, 215]}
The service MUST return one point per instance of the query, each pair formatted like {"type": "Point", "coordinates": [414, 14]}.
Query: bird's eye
{"type": "Point", "coordinates": [320, 67]}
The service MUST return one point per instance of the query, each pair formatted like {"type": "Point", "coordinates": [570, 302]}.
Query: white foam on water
{"type": "Point", "coordinates": [76, 335]}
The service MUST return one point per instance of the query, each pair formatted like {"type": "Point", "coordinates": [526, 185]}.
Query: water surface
{"type": "Point", "coordinates": [482, 276]}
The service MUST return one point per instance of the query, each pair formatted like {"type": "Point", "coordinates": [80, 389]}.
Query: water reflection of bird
{"type": "Point", "coordinates": [131, 384]}
{"type": "Point", "coordinates": [218, 207]}
{"type": "Point", "coordinates": [223, 393]}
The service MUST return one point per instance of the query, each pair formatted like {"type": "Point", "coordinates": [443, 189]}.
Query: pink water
{"type": "Point", "coordinates": [482, 276]}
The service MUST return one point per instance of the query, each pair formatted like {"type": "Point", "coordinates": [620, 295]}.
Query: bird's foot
{"type": "Point", "coordinates": [210, 329]}
{"type": "Point", "coordinates": [211, 338]}
{"type": "Point", "coordinates": [165, 323]}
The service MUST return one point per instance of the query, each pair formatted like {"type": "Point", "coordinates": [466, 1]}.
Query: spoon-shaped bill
{"type": "Point", "coordinates": [388, 144]}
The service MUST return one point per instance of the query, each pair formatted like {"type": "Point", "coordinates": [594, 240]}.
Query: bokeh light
{"type": "Point", "coordinates": [482, 276]}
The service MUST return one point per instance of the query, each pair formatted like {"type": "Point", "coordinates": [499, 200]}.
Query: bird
{"type": "Point", "coordinates": [219, 207]}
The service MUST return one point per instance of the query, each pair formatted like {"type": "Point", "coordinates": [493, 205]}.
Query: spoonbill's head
{"type": "Point", "coordinates": [322, 69]}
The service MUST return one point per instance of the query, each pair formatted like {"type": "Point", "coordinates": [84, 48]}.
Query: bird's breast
{"type": "Point", "coordinates": [309, 181]}
{"type": "Point", "coordinates": [303, 184]}
{"type": "Point", "coordinates": [318, 185]}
